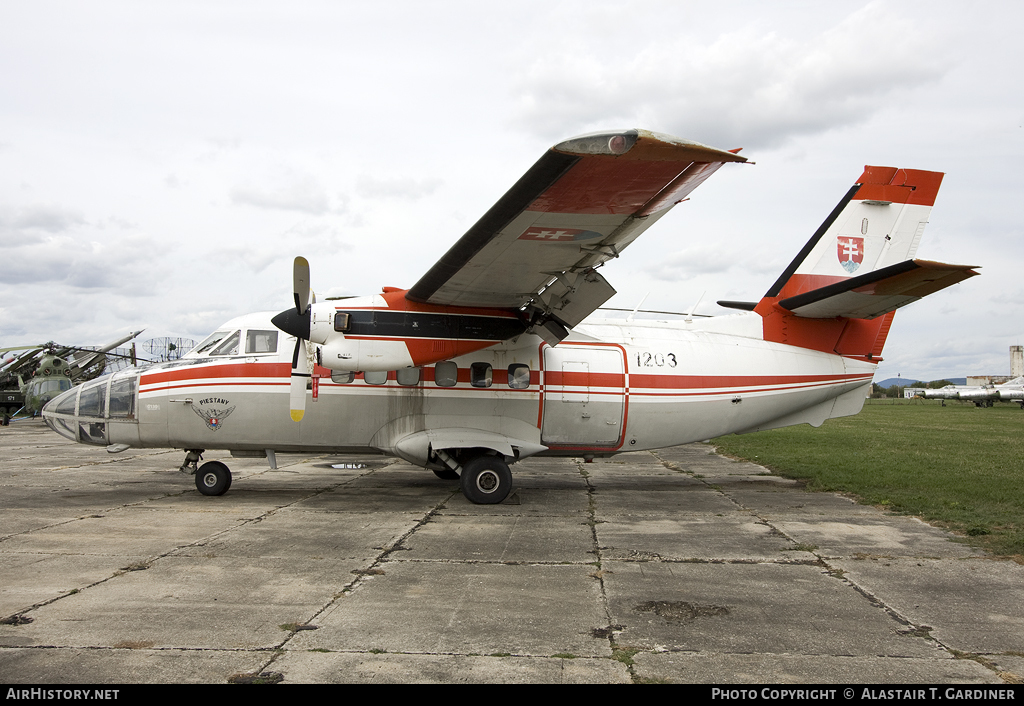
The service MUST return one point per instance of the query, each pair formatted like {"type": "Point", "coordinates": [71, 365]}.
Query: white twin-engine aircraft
{"type": "Point", "coordinates": [488, 358]}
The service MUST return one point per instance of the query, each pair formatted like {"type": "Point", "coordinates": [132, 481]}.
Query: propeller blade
{"type": "Point", "coordinates": [300, 285]}
{"type": "Point", "coordinates": [300, 374]}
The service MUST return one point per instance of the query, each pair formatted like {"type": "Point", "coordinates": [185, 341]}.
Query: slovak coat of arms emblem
{"type": "Point", "coordinates": [851, 252]}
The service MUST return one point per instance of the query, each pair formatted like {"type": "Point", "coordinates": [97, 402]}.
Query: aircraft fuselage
{"type": "Point", "coordinates": [608, 388]}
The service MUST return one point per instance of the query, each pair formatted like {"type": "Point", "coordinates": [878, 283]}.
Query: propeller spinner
{"type": "Point", "coordinates": [295, 322]}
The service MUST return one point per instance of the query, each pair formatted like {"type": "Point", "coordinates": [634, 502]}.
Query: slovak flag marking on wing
{"type": "Point", "coordinates": [851, 252]}
{"type": "Point", "coordinates": [558, 235]}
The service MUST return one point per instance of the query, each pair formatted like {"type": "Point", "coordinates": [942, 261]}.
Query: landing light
{"type": "Point", "coordinates": [618, 144]}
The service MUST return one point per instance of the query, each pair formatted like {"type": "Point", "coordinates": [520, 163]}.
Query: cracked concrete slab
{"type": "Point", "coordinates": [361, 668]}
{"type": "Point", "coordinates": [189, 602]}
{"type": "Point", "coordinates": [467, 608]}
{"type": "Point", "coordinates": [502, 539]}
{"type": "Point", "coordinates": [678, 565]}
{"type": "Point", "coordinates": [886, 535]}
{"type": "Point", "coordinates": [124, 665]}
{"type": "Point", "coordinates": [731, 537]}
{"type": "Point", "coordinates": [970, 605]}
{"type": "Point", "coordinates": [750, 608]}
{"type": "Point", "coordinates": [809, 669]}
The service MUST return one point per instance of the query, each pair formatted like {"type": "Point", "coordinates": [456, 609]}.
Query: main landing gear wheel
{"type": "Point", "coordinates": [486, 480]}
{"type": "Point", "coordinates": [213, 478]}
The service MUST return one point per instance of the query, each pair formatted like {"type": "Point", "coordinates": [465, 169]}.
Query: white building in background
{"type": "Point", "coordinates": [1016, 370]}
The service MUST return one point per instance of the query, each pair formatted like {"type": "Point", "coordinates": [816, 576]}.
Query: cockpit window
{"type": "Point", "coordinates": [209, 342]}
{"type": "Point", "coordinates": [94, 399]}
{"type": "Point", "coordinates": [122, 397]}
{"type": "Point", "coordinates": [65, 404]}
{"type": "Point", "coordinates": [229, 346]}
{"type": "Point", "coordinates": [260, 342]}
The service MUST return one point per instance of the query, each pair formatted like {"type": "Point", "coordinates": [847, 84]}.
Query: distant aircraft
{"type": "Point", "coordinates": [52, 369]}
{"type": "Point", "coordinates": [980, 395]}
{"type": "Point", "coordinates": [490, 358]}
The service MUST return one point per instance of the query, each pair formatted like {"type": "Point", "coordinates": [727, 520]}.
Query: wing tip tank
{"type": "Point", "coordinates": [643, 144]}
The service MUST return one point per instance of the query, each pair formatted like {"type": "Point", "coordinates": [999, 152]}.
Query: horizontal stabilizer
{"type": "Point", "coordinates": [742, 306]}
{"type": "Point", "coordinates": [878, 292]}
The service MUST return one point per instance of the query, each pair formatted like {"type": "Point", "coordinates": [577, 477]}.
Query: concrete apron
{"type": "Point", "coordinates": [678, 566]}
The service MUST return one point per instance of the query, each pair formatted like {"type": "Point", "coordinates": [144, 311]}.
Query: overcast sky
{"type": "Point", "coordinates": [163, 163]}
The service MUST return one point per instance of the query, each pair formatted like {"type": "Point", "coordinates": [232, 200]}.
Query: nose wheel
{"type": "Point", "coordinates": [213, 478]}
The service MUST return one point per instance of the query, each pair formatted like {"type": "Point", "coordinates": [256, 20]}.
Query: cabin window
{"type": "Point", "coordinates": [408, 376]}
{"type": "Point", "coordinates": [229, 346]}
{"type": "Point", "coordinates": [519, 376]}
{"type": "Point", "coordinates": [376, 377]}
{"type": "Point", "coordinates": [446, 374]}
{"type": "Point", "coordinates": [480, 374]}
{"type": "Point", "coordinates": [342, 322]}
{"type": "Point", "coordinates": [260, 342]}
{"type": "Point", "coordinates": [342, 377]}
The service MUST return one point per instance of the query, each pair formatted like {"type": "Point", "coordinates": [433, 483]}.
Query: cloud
{"type": "Point", "coordinates": [300, 193]}
{"type": "Point", "coordinates": [29, 223]}
{"type": "Point", "coordinates": [747, 88]}
{"type": "Point", "coordinates": [83, 263]}
{"type": "Point", "coordinates": [397, 187]}
{"type": "Point", "coordinates": [693, 262]}
{"type": "Point", "coordinates": [690, 263]}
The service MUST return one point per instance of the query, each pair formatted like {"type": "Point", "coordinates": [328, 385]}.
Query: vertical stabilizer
{"type": "Point", "coordinates": [878, 223]}
{"type": "Point", "coordinates": [840, 292]}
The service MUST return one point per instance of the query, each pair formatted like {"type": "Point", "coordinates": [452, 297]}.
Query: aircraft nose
{"type": "Point", "coordinates": [293, 323]}
{"type": "Point", "coordinates": [84, 413]}
{"type": "Point", "coordinates": [59, 413]}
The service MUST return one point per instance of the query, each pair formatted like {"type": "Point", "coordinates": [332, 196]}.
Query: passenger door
{"type": "Point", "coordinates": [584, 395]}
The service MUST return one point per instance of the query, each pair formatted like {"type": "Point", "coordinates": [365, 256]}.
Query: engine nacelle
{"type": "Point", "coordinates": [341, 353]}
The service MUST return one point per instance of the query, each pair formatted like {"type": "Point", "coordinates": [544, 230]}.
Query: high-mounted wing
{"type": "Point", "coordinates": [581, 204]}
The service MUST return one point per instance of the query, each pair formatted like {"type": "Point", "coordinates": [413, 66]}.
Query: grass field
{"type": "Point", "coordinates": [956, 466]}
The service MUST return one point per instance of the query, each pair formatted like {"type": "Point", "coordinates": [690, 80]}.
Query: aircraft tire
{"type": "Point", "coordinates": [213, 478]}
{"type": "Point", "coordinates": [447, 474]}
{"type": "Point", "coordinates": [486, 480]}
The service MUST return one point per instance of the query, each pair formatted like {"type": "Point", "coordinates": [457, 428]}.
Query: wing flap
{"type": "Point", "coordinates": [879, 292]}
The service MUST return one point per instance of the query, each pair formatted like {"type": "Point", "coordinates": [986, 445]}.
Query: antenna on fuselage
{"type": "Point", "coordinates": [629, 319]}
{"type": "Point", "coordinates": [689, 315]}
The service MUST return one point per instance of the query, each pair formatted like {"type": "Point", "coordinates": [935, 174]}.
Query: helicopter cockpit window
{"type": "Point", "coordinates": [45, 387]}
{"type": "Point", "coordinates": [93, 400]}
{"type": "Point", "coordinates": [209, 342]}
{"type": "Point", "coordinates": [229, 346]}
{"type": "Point", "coordinates": [260, 342]}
